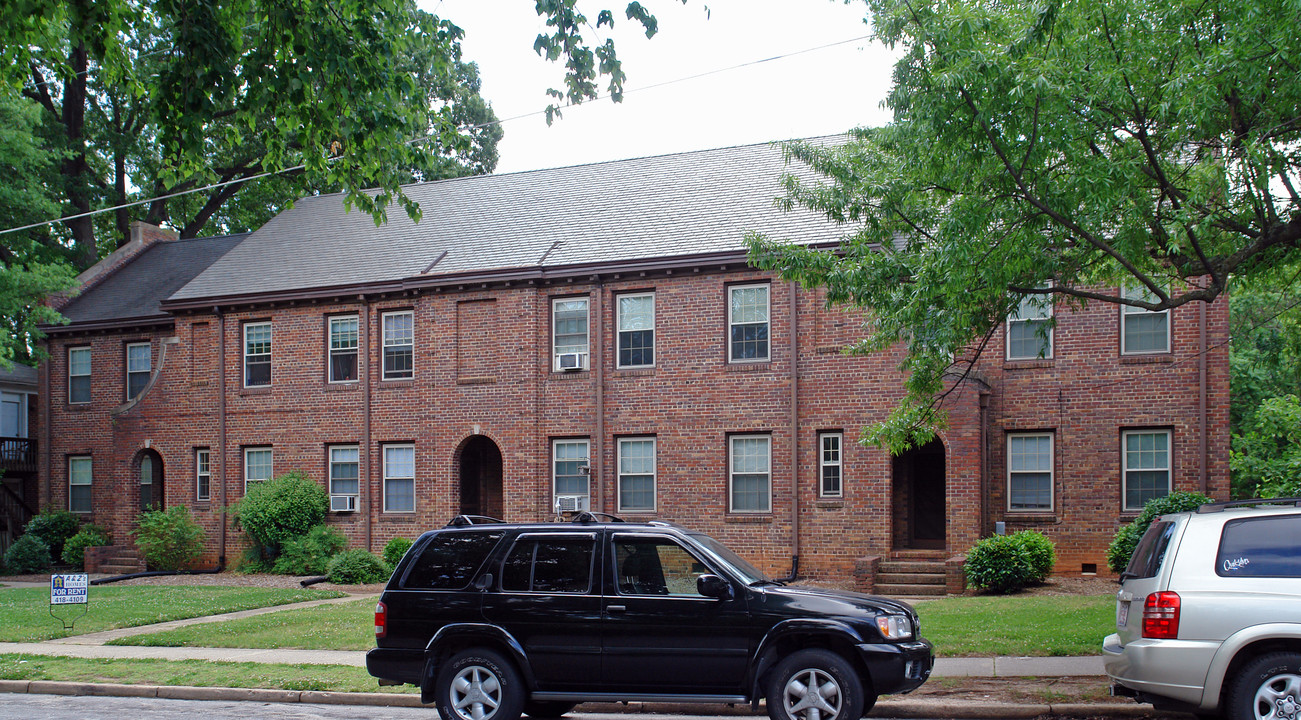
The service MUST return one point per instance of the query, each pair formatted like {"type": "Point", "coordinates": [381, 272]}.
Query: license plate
{"type": "Point", "coordinates": [1122, 614]}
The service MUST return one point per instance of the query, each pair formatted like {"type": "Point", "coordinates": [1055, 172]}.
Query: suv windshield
{"type": "Point", "coordinates": [747, 572]}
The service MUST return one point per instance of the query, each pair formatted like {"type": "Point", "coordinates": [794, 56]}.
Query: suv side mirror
{"type": "Point", "coordinates": [713, 586]}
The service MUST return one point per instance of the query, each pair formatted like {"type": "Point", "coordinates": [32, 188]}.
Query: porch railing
{"type": "Point", "coordinates": [17, 454]}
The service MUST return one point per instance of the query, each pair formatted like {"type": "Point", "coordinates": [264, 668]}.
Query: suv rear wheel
{"type": "Point", "coordinates": [478, 684]}
{"type": "Point", "coordinates": [815, 684]}
{"type": "Point", "coordinates": [1267, 688]}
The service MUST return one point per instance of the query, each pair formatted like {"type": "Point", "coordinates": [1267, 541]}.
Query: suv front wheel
{"type": "Point", "coordinates": [816, 684]}
{"type": "Point", "coordinates": [1267, 688]}
{"type": "Point", "coordinates": [478, 684]}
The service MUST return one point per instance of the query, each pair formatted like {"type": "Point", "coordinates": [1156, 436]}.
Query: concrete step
{"type": "Point", "coordinates": [902, 566]}
{"type": "Point", "coordinates": [910, 590]}
{"type": "Point", "coordinates": [119, 569]}
{"type": "Point", "coordinates": [910, 578]}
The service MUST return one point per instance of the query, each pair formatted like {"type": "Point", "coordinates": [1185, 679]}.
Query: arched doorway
{"type": "Point", "coordinates": [481, 481]}
{"type": "Point", "coordinates": [150, 473]}
{"type": "Point", "coordinates": [919, 497]}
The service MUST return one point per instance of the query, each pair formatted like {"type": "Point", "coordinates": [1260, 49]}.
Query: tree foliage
{"type": "Point", "coordinates": [1054, 149]}
{"type": "Point", "coordinates": [1125, 541]}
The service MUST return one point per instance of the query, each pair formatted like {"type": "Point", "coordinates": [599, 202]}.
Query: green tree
{"type": "Point", "coordinates": [1266, 459]}
{"type": "Point", "coordinates": [1054, 149]}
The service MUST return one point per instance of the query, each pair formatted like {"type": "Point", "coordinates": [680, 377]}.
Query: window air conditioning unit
{"type": "Point", "coordinates": [343, 503]}
{"type": "Point", "coordinates": [571, 503]}
{"type": "Point", "coordinates": [571, 362]}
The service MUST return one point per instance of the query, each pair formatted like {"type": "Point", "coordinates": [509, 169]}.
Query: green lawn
{"type": "Point", "coordinates": [345, 626]}
{"type": "Point", "coordinates": [25, 612]}
{"type": "Point", "coordinates": [1033, 626]}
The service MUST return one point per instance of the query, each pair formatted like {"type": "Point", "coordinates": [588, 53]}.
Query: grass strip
{"type": "Point", "coordinates": [1032, 626]}
{"type": "Point", "coordinates": [25, 612]}
{"type": "Point", "coordinates": [342, 626]}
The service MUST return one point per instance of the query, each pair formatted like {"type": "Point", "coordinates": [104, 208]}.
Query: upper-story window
{"type": "Point", "coordinates": [637, 474]}
{"type": "Point", "coordinates": [1030, 329]}
{"type": "Point", "coordinates": [569, 334]}
{"type": "Point", "coordinates": [636, 330]}
{"type": "Point", "coordinates": [343, 349]}
{"type": "Point", "coordinates": [1030, 472]}
{"type": "Point", "coordinates": [79, 375]}
{"type": "Point", "coordinates": [399, 344]}
{"type": "Point", "coordinates": [750, 473]}
{"type": "Point", "coordinates": [1143, 332]}
{"type": "Point", "coordinates": [139, 357]}
{"type": "Point", "coordinates": [257, 466]}
{"type": "Point", "coordinates": [257, 354]}
{"type": "Point", "coordinates": [747, 322]}
{"type": "Point", "coordinates": [830, 465]}
{"type": "Point", "coordinates": [1146, 467]}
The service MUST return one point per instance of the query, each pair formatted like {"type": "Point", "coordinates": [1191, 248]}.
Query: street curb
{"type": "Point", "coordinates": [901, 708]}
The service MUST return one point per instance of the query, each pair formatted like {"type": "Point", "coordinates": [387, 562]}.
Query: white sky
{"type": "Point", "coordinates": [823, 92]}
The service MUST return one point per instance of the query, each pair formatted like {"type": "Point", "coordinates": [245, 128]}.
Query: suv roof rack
{"type": "Point", "coordinates": [468, 520]}
{"type": "Point", "coordinates": [589, 516]}
{"type": "Point", "coordinates": [1220, 506]}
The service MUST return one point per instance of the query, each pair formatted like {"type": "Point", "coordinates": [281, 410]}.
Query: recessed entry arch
{"type": "Point", "coordinates": [480, 469]}
{"type": "Point", "coordinates": [919, 488]}
{"type": "Point", "coordinates": [149, 473]}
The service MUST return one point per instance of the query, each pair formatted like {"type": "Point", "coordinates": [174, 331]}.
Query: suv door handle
{"type": "Point", "coordinates": [616, 608]}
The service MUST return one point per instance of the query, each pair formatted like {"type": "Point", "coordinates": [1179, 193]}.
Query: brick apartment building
{"type": "Point", "coordinates": [592, 337]}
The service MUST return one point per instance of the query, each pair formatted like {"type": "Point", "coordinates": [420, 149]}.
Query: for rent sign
{"type": "Point", "coordinates": [68, 589]}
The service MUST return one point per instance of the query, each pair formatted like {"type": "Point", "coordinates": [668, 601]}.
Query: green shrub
{"type": "Point", "coordinates": [395, 549]}
{"type": "Point", "coordinates": [309, 554]}
{"type": "Point", "coordinates": [280, 510]}
{"type": "Point", "coordinates": [53, 527]}
{"type": "Point", "coordinates": [29, 554]}
{"type": "Point", "coordinates": [74, 550]}
{"type": "Point", "coordinates": [357, 567]}
{"type": "Point", "coordinates": [1126, 539]}
{"type": "Point", "coordinates": [1007, 563]}
{"type": "Point", "coordinates": [168, 539]}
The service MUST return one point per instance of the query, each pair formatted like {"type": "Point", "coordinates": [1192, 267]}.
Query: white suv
{"type": "Point", "coordinates": [1208, 616]}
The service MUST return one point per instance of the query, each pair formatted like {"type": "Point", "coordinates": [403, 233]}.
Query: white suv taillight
{"type": "Point", "coordinates": [1161, 616]}
{"type": "Point", "coordinates": [381, 620]}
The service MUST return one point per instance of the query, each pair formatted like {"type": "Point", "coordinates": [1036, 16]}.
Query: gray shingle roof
{"type": "Point", "coordinates": [135, 290]}
{"type": "Point", "coordinates": [671, 205]}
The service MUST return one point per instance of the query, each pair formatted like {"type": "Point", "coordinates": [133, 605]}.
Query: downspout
{"type": "Point", "coordinates": [984, 464]}
{"type": "Point", "coordinates": [597, 358]}
{"type": "Point", "coordinates": [221, 422]}
{"type": "Point", "coordinates": [795, 430]}
{"type": "Point", "coordinates": [364, 455]}
{"type": "Point", "coordinates": [47, 406]}
{"type": "Point", "coordinates": [1203, 445]}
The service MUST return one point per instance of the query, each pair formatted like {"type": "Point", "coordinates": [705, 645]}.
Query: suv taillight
{"type": "Point", "coordinates": [381, 620]}
{"type": "Point", "coordinates": [1161, 616]}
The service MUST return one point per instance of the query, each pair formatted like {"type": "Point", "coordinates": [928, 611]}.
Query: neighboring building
{"type": "Point", "coordinates": [18, 413]}
{"type": "Point", "coordinates": [592, 337]}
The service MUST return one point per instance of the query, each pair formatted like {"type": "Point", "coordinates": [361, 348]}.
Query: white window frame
{"type": "Point", "coordinates": [392, 341]}
{"type": "Point", "coordinates": [1052, 472]}
{"type": "Point", "coordinates": [71, 375]}
{"type": "Point", "coordinates": [654, 473]}
{"type": "Point", "coordinates": [555, 461]}
{"type": "Point", "coordinates": [268, 353]}
{"type": "Point", "coordinates": [148, 369]}
{"type": "Point", "coordinates": [1126, 311]}
{"type": "Point", "coordinates": [732, 323]}
{"type": "Point", "coordinates": [732, 473]}
{"type": "Point", "coordinates": [19, 401]}
{"type": "Point", "coordinates": [1042, 305]}
{"type": "Point", "coordinates": [826, 461]}
{"type": "Point", "coordinates": [331, 462]}
{"type": "Point", "coordinates": [271, 459]}
{"type": "Point", "coordinates": [586, 352]}
{"type": "Point", "coordinates": [1125, 469]}
{"type": "Point", "coordinates": [84, 478]}
{"type": "Point", "coordinates": [388, 477]}
{"type": "Point", "coordinates": [619, 329]}
{"type": "Point", "coordinates": [331, 350]}
{"type": "Point", "coordinates": [203, 474]}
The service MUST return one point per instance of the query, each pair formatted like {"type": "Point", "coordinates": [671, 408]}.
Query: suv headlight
{"type": "Point", "coordinates": [894, 627]}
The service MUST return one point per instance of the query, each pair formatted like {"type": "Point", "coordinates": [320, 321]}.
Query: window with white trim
{"type": "Point", "coordinates": [1143, 332]}
{"type": "Point", "coordinates": [830, 465]}
{"type": "Point", "coordinates": [749, 462]}
{"type": "Point", "coordinates": [343, 348]}
{"type": "Point", "coordinates": [569, 333]}
{"type": "Point", "coordinates": [79, 483]}
{"type": "Point", "coordinates": [637, 474]}
{"type": "Point", "coordinates": [345, 476]}
{"type": "Point", "coordinates": [78, 375]}
{"type": "Point", "coordinates": [139, 358]}
{"type": "Point", "coordinates": [569, 463]}
{"type": "Point", "coordinates": [635, 330]}
{"type": "Point", "coordinates": [747, 323]}
{"type": "Point", "coordinates": [1030, 472]}
{"type": "Point", "coordinates": [1146, 467]}
{"type": "Point", "coordinates": [399, 344]}
{"type": "Point", "coordinates": [203, 474]}
{"type": "Point", "coordinates": [400, 478]}
{"type": "Point", "coordinates": [257, 354]}
{"type": "Point", "coordinates": [1030, 329]}
{"type": "Point", "coordinates": [257, 466]}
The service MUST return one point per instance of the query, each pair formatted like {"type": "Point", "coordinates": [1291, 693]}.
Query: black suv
{"type": "Point", "coordinates": [492, 620]}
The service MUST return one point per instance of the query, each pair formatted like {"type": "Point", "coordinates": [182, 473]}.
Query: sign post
{"type": "Point", "coordinates": [69, 590]}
